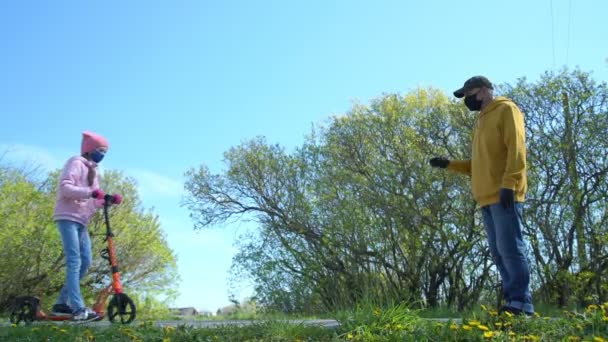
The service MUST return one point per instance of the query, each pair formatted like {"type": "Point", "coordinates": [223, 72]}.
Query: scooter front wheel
{"type": "Point", "coordinates": [121, 309]}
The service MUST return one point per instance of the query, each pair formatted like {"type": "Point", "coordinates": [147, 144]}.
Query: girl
{"type": "Point", "coordinates": [78, 197]}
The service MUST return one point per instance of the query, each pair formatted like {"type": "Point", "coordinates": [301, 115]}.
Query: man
{"type": "Point", "coordinates": [498, 177]}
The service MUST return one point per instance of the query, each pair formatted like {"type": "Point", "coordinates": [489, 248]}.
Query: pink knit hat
{"type": "Point", "coordinates": [92, 141]}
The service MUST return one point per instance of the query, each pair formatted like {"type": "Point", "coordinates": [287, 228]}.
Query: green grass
{"type": "Point", "coordinates": [365, 323]}
{"type": "Point", "coordinates": [246, 316]}
{"type": "Point", "coordinates": [269, 331]}
{"type": "Point", "coordinates": [443, 312]}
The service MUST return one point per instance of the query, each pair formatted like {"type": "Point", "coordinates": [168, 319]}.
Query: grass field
{"type": "Point", "coordinates": [395, 323]}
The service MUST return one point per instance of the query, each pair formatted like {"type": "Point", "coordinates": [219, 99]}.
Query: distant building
{"type": "Point", "coordinates": [227, 310]}
{"type": "Point", "coordinates": [187, 312]}
{"type": "Point", "coordinates": [205, 313]}
{"type": "Point", "coordinates": [190, 311]}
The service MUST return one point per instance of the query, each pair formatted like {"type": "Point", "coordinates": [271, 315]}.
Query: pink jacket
{"type": "Point", "coordinates": [74, 201]}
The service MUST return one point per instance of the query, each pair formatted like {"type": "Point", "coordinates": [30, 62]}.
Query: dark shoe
{"type": "Point", "coordinates": [514, 311]}
{"type": "Point", "coordinates": [61, 310]}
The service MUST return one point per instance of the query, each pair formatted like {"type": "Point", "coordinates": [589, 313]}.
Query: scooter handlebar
{"type": "Point", "coordinates": [113, 199]}
{"type": "Point", "coordinates": [98, 194]}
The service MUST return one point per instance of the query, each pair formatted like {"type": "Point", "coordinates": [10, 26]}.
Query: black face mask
{"type": "Point", "coordinates": [472, 102]}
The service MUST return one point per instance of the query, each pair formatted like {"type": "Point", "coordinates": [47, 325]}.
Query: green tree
{"type": "Point", "coordinates": [355, 213]}
{"type": "Point", "coordinates": [31, 251]}
{"type": "Point", "coordinates": [33, 261]}
{"type": "Point", "coordinates": [567, 121]}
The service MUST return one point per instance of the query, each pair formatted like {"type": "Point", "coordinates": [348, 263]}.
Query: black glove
{"type": "Point", "coordinates": [507, 198]}
{"type": "Point", "coordinates": [439, 162]}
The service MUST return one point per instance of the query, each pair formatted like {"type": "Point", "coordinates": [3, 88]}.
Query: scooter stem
{"type": "Point", "coordinates": [102, 298]}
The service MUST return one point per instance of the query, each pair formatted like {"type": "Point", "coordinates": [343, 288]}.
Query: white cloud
{"type": "Point", "coordinates": [29, 157]}
{"type": "Point", "coordinates": [151, 184]}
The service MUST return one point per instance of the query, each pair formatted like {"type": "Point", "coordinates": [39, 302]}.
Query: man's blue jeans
{"type": "Point", "coordinates": [77, 249]}
{"type": "Point", "coordinates": [503, 229]}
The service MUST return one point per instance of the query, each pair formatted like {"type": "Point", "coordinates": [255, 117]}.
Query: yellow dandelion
{"type": "Point", "coordinates": [599, 339]}
{"type": "Point", "coordinates": [592, 307]}
{"type": "Point", "coordinates": [493, 313]}
{"type": "Point", "coordinates": [349, 336]}
{"type": "Point", "coordinates": [498, 324]}
{"type": "Point", "coordinates": [453, 326]}
{"type": "Point", "coordinates": [531, 338]}
{"type": "Point", "coordinates": [508, 314]}
{"type": "Point", "coordinates": [467, 327]}
{"type": "Point", "coordinates": [474, 323]}
{"type": "Point", "coordinates": [488, 334]}
{"type": "Point", "coordinates": [133, 337]}
{"type": "Point", "coordinates": [511, 333]}
{"type": "Point", "coordinates": [483, 328]}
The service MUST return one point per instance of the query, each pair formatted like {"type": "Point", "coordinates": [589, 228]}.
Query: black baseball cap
{"type": "Point", "coordinates": [472, 83]}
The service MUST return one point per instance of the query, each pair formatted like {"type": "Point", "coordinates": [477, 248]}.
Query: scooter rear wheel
{"type": "Point", "coordinates": [24, 310]}
{"type": "Point", "coordinates": [121, 309]}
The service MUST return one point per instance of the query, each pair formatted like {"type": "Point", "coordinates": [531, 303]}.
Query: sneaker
{"type": "Point", "coordinates": [62, 310]}
{"type": "Point", "coordinates": [85, 315]}
{"type": "Point", "coordinates": [93, 312]}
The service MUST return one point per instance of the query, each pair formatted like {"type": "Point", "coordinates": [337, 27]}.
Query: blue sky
{"type": "Point", "coordinates": [174, 84]}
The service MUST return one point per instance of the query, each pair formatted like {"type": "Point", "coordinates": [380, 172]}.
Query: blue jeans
{"type": "Point", "coordinates": [77, 249]}
{"type": "Point", "coordinates": [503, 229]}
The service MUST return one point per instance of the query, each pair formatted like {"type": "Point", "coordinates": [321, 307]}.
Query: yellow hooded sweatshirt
{"type": "Point", "coordinates": [499, 153]}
